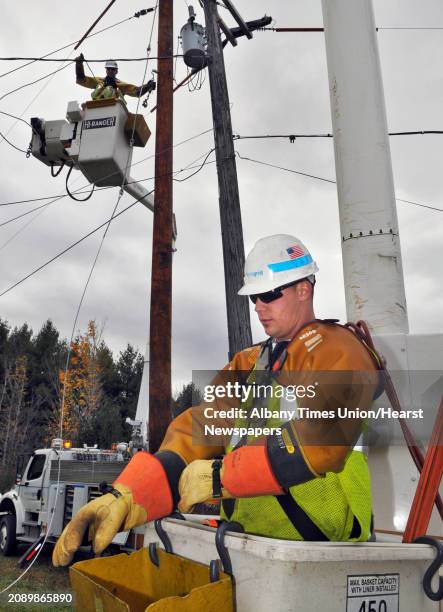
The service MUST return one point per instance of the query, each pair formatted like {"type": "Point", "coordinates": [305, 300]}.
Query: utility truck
{"type": "Point", "coordinates": [54, 484]}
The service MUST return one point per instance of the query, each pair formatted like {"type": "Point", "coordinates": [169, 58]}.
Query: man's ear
{"type": "Point", "coordinates": [304, 290]}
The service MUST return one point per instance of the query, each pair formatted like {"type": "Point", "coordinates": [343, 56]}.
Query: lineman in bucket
{"type": "Point", "coordinates": [109, 86]}
{"type": "Point", "coordinates": [309, 481]}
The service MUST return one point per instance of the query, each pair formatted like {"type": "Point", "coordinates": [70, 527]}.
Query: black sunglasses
{"type": "Point", "coordinates": [271, 296]}
{"type": "Point", "coordinates": [275, 294]}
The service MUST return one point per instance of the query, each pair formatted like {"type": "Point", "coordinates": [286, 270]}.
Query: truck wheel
{"type": "Point", "coordinates": [7, 535]}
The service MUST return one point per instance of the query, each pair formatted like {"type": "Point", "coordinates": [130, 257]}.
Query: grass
{"type": "Point", "coordinates": [41, 578]}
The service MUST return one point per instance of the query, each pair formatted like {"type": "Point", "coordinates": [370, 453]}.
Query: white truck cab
{"type": "Point", "coordinates": [54, 485]}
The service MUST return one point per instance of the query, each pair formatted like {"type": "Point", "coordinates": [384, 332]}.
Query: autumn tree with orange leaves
{"type": "Point", "coordinates": [82, 387]}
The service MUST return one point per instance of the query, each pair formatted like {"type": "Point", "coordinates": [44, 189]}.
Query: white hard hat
{"type": "Point", "coordinates": [111, 64]}
{"type": "Point", "coordinates": [275, 261]}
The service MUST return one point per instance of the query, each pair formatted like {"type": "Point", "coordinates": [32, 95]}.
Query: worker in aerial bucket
{"type": "Point", "coordinates": [308, 480]}
{"type": "Point", "coordinates": [109, 86]}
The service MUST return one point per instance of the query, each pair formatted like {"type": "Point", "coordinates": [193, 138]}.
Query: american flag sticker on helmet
{"type": "Point", "coordinates": [295, 251]}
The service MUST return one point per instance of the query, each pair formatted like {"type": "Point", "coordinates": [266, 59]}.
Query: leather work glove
{"type": "Point", "coordinates": [142, 490]}
{"type": "Point", "coordinates": [196, 484]}
{"type": "Point", "coordinates": [79, 69]}
{"type": "Point", "coordinates": [105, 517]}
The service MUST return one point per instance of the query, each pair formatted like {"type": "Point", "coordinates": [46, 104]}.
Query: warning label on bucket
{"type": "Point", "coordinates": [373, 593]}
{"type": "Point", "coordinates": [90, 124]}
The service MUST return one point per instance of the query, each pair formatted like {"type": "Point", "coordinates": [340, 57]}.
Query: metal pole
{"type": "Point", "coordinates": [239, 326]}
{"type": "Point", "coordinates": [372, 261]}
{"type": "Point", "coordinates": [161, 279]}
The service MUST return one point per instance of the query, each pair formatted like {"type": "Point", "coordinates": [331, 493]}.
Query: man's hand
{"type": "Point", "coordinates": [105, 517]}
{"type": "Point", "coordinates": [195, 485]}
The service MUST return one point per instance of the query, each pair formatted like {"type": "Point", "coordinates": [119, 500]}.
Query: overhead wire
{"type": "Point", "coordinates": [51, 76]}
{"type": "Point", "coordinates": [287, 30]}
{"type": "Point", "coordinates": [15, 117]}
{"type": "Point", "coordinates": [96, 229]}
{"type": "Point", "coordinates": [92, 61]}
{"type": "Point", "coordinates": [419, 204]}
{"type": "Point", "coordinates": [321, 178]}
{"type": "Point", "coordinates": [189, 166]}
{"type": "Point", "coordinates": [409, 28]}
{"type": "Point", "coordinates": [28, 212]}
{"type": "Point", "coordinates": [24, 226]}
{"type": "Point", "coordinates": [293, 137]}
{"type": "Point", "coordinates": [262, 163]}
{"type": "Point", "coordinates": [66, 46]}
{"type": "Point", "coordinates": [37, 80]}
{"type": "Point", "coordinates": [102, 14]}
{"type": "Point", "coordinates": [3, 136]}
{"type": "Point", "coordinates": [197, 171]}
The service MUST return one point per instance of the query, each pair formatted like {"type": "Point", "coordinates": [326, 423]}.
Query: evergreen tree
{"type": "Point", "coordinates": [189, 396]}
{"type": "Point", "coordinates": [47, 357]}
{"type": "Point", "coordinates": [130, 371]}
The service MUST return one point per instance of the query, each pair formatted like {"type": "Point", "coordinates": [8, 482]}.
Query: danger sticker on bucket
{"type": "Point", "coordinates": [90, 124]}
{"type": "Point", "coordinates": [373, 593]}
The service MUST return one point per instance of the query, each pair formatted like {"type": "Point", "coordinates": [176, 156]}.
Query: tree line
{"type": "Point", "coordinates": [97, 391]}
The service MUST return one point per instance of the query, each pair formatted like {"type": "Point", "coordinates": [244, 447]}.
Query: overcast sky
{"type": "Point", "coordinates": [277, 84]}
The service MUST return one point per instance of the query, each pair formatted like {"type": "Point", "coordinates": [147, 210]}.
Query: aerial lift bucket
{"type": "Point", "coordinates": [149, 580]}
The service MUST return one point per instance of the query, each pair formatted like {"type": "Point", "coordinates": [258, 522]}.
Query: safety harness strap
{"type": "Point", "coordinates": [301, 521]}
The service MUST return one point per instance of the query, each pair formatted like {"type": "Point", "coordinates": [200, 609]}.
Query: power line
{"type": "Point", "coordinates": [37, 80]}
{"type": "Point", "coordinates": [94, 24]}
{"type": "Point", "coordinates": [11, 143]}
{"type": "Point", "coordinates": [421, 205]}
{"type": "Point", "coordinates": [15, 117]}
{"type": "Point", "coordinates": [28, 212]}
{"type": "Point", "coordinates": [419, 133]}
{"type": "Point", "coordinates": [107, 222]}
{"type": "Point", "coordinates": [91, 61]}
{"type": "Point", "coordinates": [320, 178]}
{"type": "Point", "coordinates": [262, 163]}
{"type": "Point", "coordinates": [67, 46]}
{"type": "Point", "coordinates": [205, 161]}
{"type": "Point", "coordinates": [291, 29]}
{"type": "Point", "coordinates": [322, 29]}
{"type": "Point", "coordinates": [189, 166]}
{"type": "Point", "coordinates": [409, 28]}
{"type": "Point", "coordinates": [77, 192]}
{"type": "Point", "coordinates": [293, 137]}
{"type": "Point", "coordinates": [71, 246]}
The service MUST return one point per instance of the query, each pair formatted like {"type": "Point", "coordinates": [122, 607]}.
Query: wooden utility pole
{"type": "Point", "coordinates": [161, 279]}
{"type": "Point", "coordinates": [239, 325]}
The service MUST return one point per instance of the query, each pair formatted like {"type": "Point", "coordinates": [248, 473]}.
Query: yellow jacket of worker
{"type": "Point", "coordinates": [109, 86]}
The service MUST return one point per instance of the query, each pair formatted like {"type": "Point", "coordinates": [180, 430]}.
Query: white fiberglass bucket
{"type": "Point", "coordinates": [283, 576]}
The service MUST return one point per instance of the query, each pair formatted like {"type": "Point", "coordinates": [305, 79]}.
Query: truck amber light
{"type": "Point", "coordinates": [67, 444]}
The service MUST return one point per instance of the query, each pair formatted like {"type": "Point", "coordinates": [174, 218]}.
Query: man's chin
{"type": "Point", "coordinates": [267, 327]}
